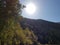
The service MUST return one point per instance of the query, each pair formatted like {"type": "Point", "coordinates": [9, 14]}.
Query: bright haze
{"type": "Point", "coordinates": [30, 8]}
{"type": "Point", "coordinates": [42, 9]}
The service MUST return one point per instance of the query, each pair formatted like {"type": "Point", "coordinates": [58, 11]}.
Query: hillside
{"type": "Point", "coordinates": [16, 30]}
{"type": "Point", "coordinates": [47, 32]}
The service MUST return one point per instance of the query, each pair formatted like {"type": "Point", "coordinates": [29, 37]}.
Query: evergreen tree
{"type": "Point", "coordinates": [8, 11]}
{"type": "Point", "coordinates": [11, 32]}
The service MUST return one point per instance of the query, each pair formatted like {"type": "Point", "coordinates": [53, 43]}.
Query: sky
{"type": "Point", "coordinates": [46, 9]}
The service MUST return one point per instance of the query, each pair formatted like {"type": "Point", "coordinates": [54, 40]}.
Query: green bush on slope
{"type": "Point", "coordinates": [11, 32]}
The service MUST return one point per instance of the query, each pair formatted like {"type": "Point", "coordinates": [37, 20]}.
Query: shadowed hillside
{"type": "Point", "coordinates": [47, 32]}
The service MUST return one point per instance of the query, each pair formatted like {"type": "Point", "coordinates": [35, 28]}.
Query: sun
{"type": "Point", "coordinates": [30, 8]}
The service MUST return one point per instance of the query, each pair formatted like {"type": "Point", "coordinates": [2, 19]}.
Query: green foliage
{"type": "Point", "coordinates": [54, 37]}
{"type": "Point", "coordinates": [11, 33]}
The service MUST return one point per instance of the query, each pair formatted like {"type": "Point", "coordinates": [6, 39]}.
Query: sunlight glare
{"type": "Point", "coordinates": [30, 8]}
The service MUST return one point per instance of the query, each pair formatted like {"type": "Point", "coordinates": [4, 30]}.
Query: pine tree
{"type": "Point", "coordinates": [11, 33]}
{"type": "Point", "coordinates": [9, 12]}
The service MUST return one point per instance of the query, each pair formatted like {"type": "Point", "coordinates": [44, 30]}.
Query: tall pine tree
{"type": "Point", "coordinates": [11, 32]}
{"type": "Point", "coordinates": [9, 10]}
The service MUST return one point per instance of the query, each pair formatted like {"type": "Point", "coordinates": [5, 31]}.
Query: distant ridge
{"type": "Point", "coordinates": [47, 32]}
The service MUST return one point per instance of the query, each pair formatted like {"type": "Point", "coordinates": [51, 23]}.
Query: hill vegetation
{"type": "Point", "coordinates": [11, 32]}
{"type": "Point", "coordinates": [15, 30]}
{"type": "Point", "coordinates": [46, 32]}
